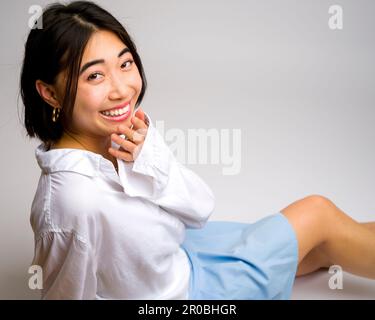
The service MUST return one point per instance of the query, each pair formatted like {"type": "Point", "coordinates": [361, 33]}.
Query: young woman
{"type": "Point", "coordinates": [119, 218]}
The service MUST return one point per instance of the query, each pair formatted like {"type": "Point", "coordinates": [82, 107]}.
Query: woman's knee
{"type": "Point", "coordinates": [319, 200]}
{"type": "Point", "coordinates": [323, 210]}
{"type": "Point", "coordinates": [313, 207]}
{"type": "Point", "coordinates": [311, 217]}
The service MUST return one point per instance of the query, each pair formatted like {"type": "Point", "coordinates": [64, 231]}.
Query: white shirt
{"type": "Point", "coordinates": [103, 235]}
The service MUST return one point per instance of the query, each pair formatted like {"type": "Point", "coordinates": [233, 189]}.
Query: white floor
{"type": "Point", "coordinates": [315, 286]}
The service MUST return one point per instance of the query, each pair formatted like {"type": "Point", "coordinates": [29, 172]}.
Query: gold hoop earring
{"type": "Point", "coordinates": [55, 114]}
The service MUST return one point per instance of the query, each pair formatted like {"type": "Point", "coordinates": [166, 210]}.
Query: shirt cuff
{"type": "Point", "coordinates": [153, 160]}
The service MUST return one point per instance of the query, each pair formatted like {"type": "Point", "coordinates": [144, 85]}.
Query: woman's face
{"type": "Point", "coordinates": [109, 85]}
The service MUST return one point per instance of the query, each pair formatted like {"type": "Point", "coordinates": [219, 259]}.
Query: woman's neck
{"type": "Point", "coordinates": [69, 141]}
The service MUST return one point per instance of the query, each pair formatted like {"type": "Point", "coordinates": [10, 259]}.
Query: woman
{"type": "Point", "coordinates": [118, 218]}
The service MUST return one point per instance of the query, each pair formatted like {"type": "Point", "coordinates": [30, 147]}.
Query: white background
{"type": "Point", "coordinates": [302, 95]}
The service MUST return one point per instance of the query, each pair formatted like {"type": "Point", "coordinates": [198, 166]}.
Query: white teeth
{"type": "Point", "coordinates": [116, 112]}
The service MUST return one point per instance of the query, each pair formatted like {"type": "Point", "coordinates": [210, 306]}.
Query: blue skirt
{"type": "Point", "coordinates": [235, 260]}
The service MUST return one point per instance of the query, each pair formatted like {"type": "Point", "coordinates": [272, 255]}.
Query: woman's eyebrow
{"type": "Point", "coordinates": [89, 64]}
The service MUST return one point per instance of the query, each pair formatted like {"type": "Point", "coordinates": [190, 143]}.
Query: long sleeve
{"type": "Point", "coordinates": [67, 265]}
{"type": "Point", "coordinates": [156, 175]}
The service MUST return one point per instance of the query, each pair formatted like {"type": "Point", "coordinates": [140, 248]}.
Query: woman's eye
{"type": "Point", "coordinates": [130, 63]}
{"type": "Point", "coordinates": [93, 76]}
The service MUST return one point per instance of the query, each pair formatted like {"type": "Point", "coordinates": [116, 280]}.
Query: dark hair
{"type": "Point", "coordinates": [58, 46]}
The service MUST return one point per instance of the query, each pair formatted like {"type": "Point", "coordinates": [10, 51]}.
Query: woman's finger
{"type": "Point", "coordinates": [124, 155]}
{"type": "Point", "coordinates": [122, 129]}
{"type": "Point", "coordinates": [139, 126]}
{"type": "Point", "coordinates": [125, 144]}
{"type": "Point", "coordinates": [136, 135]}
{"type": "Point", "coordinates": [140, 114]}
{"type": "Point", "coordinates": [138, 123]}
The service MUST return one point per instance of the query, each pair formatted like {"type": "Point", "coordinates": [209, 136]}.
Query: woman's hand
{"type": "Point", "coordinates": [129, 149]}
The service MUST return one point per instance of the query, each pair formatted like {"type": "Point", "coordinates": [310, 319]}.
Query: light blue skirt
{"type": "Point", "coordinates": [242, 261]}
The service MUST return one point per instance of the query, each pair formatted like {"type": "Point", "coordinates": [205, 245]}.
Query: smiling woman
{"type": "Point", "coordinates": [99, 209]}
{"type": "Point", "coordinates": [107, 91]}
{"type": "Point", "coordinates": [87, 74]}
{"type": "Point", "coordinates": [82, 70]}
{"type": "Point", "coordinates": [111, 217]}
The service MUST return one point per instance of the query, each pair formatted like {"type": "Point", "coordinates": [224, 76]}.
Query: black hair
{"type": "Point", "coordinates": [58, 46]}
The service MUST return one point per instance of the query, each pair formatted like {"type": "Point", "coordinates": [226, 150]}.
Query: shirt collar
{"type": "Point", "coordinates": [75, 160]}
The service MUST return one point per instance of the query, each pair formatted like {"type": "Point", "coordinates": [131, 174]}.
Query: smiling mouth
{"type": "Point", "coordinates": [116, 114]}
{"type": "Point", "coordinates": [116, 111]}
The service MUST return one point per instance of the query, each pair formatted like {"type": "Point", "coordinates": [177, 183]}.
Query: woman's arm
{"type": "Point", "coordinates": [67, 264]}
{"type": "Point", "coordinates": [156, 175]}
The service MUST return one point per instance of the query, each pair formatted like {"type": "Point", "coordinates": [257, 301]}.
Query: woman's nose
{"type": "Point", "coordinates": [118, 88]}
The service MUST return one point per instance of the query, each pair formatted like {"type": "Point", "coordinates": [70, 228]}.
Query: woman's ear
{"type": "Point", "coordinates": [47, 93]}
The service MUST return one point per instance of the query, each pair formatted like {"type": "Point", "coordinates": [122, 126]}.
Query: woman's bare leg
{"type": "Point", "coordinates": [369, 225]}
{"type": "Point", "coordinates": [313, 261]}
{"type": "Point", "coordinates": [316, 259]}
{"type": "Point", "coordinates": [327, 236]}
